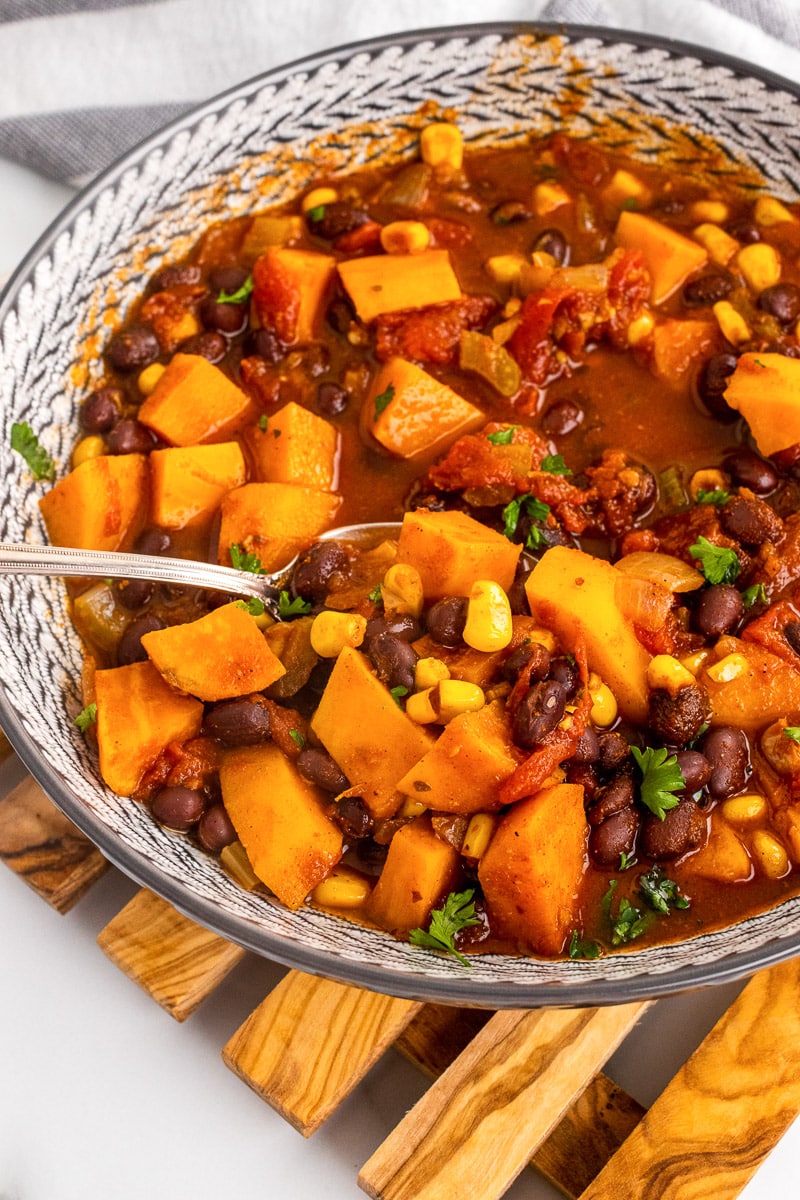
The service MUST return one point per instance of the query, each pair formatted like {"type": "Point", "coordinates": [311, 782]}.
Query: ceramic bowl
{"type": "Point", "coordinates": [255, 145]}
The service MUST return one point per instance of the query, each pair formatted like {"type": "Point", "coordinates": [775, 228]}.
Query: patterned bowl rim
{"type": "Point", "coordinates": [407, 983]}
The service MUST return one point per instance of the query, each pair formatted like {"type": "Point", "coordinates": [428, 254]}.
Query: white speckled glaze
{"type": "Point", "coordinates": [248, 148]}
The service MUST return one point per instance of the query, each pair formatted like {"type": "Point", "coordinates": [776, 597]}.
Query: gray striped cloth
{"type": "Point", "coordinates": [81, 81]}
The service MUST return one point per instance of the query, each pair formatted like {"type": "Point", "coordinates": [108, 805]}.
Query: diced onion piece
{"type": "Point", "coordinates": [491, 361]}
{"type": "Point", "coordinates": [655, 567]}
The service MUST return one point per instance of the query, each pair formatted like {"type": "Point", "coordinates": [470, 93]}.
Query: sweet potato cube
{"type": "Point", "coordinates": [194, 402]}
{"type": "Point", "coordinates": [531, 872]}
{"type": "Point", "coordinates": [765, 389]}
{"type": "Point", "coordinates": [451, 550]}
{"type": "Point", "coordinates": [188, 482]}
{"type": "Point", "coordinates": [748, 686]}
{"type": "Point", "coordinates": [369, 736]}
{"type": "Point", "coordinates": [280, 820]}
{"type": "Point", "coordinates": [462, 771]}
{"type": "Point", "coordinates": [723, 858]}
{"type": "Point", "coordinates": [274, 520]}
{"type": "Point", "coordinates": [386, 283]}
{"type": "Point", "coordinates": [138, 715]}
{"type": "Point", "coordinates": [669, 256]}
{"type": "Point", "coordinates": [100, 505]}
{"type": "Point", "coordinates": [419, 872]}
{"type": "Point", "coordinates": [679, 344]}
{"type": "Point", "coordinates": [412, 414]}
{"type": "Point", "coordinates": [296, 446]}
{"type": "Point", "coordinates": [290, 290]}
{"type": "Point", "coordinates": [222, 654]}
{"type": "Point", "coordinates": [575, 595]}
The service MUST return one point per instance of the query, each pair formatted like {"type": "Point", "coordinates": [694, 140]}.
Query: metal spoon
{"type": "Point", "coordinates": [66, 561]}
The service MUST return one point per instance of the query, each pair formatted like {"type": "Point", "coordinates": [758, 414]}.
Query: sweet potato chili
{"type": "Point", "coordinates": [560, 714]}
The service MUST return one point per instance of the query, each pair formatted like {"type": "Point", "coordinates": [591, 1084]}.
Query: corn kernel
{"type": "Point", "coordinates": [405, 237]}
{"type": "Point", "coordinates": [624, 186]}
{"type": "Point", "coordinates": [694, 662]}
{"type": "Point", "coordinates": [419, 708]}
{"type": "Point", "coordinates": [318, 197]}
{"type": "Point", "coordinates": [88, 447]}
{"type": "Point", "coordinates": [715, 211]}
{"type": "Point", "coordinates": [733, 325]}
{"type": "Point", "coordinates": [640, 328]}
{"type": "Point", "coordinates": [332, 631]}
{"type": "Point", "coordinates": [488, 626]}
{"type": "Point", "coordinates": [428, 672]}
{"type": "Point", "coordinates": [401, 590]}
{"type": "Point", "coordinates": [511, 307]}
{"type": "Point", "coordinates": [479, 833]}
{"type": "Point", "coordinates": [604, 704]}
{"type": "Point", "coordinates": [533, 278]}
{"type": "Point", "coordinates": [504, 268]}
{"type": "Point", "coordinates": [235, 861]}
{"type": "Point", "coordinates": [147, 379]}
{"type": "Point", "coordinates": [760, 264]}
{"type": "Point", "coordinates": [664, 671]}
{"type": "Point", "coordinates": [748, 809]}
{"type": "Point", "coordinates": [709, 479]}
{"type": "Point", "coordinates": [547, 197]}
{"type": "Point", "coordinates": [556, 776]}
{"type": "Point", "coordinates": [411, 808]}
{"type": "Point", "coordinates": [769, 211]}
{"type": "Point", "coordinates": [720, 245]}
{"type": "Point", "coordinates": [728, 668]}
{"type": "Point", "coordinates": [540, 258]}
{"type": "Point", "coordinates": [792, 833]}
{"type": "Point", "coordinates": [542, 636]}
{"type": "Point", "coordinates": [770, 854]}
{"type": "Point", "coordinates": [451, 697]}
{"type": "Point", "coordinates": [343, 888]}
{"type": "Point", "coordinates": [442, 143]}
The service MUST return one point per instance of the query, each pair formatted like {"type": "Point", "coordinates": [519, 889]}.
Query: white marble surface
{"type": "Point", "coordinates": [103, 1095]}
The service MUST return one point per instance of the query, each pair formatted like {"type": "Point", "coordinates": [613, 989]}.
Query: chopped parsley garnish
{"type": "Point", "coordinates": [716, 496]}
{"type": "Point", "coordinates": [262, 422]}
{"type": "Point", "coordinates": [292, 608]}
{"type": "Point", "coordinates": [580, 948]}
{"type": "Point", "coordinates": [26, 443]}
{"type": "Point", "coordinates": [502, 437]}
{"type": "Point", "coordinates": [457, 912]}
{"type": "Point", "coordinates": [629, 922]}
{"type": "Point", "coordinates": [242, 561]}
{"type": "Point", "coordinates": [239, 296]}
{"type": "Point", "coordinates": [316, 213]}
{"type": "Point", "coordinates": [661, 893]}
{"type": "Point", "coordinates": [397, 694]}
{"type": "Point", "coordinates": [554, 465]}
{"type": "Point", "coordinates": [757, 594]}
{"type": "Point", "coordinates": [719, 564]}
{"type": "Point", "coordinates": [86, 717]}
{"type": "Point", "coordinates": [626, 863]}
{"type": "Point", "coordinates": [254, 606]}
{"type": "Point", "coordinates": [793, 732]}
{"type": "Point", "coordinates": [630, 204]}
{"type": "Point", "coordinates": [383, 401]}
{"type": "Point", "coordinates": [661, 776]}
{"type": "Point", "coordinates": [537, 510]}
{"type": "Point", "coordinates": [297, 738]}
{"type": "Point", "coordinates": [376, 595]}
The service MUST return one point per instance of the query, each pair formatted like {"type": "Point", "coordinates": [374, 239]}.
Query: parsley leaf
{"type": "Point", "coordinates": [297, 738]}
{"type": "Point", "coordinates": [244, 562]}
{"type": "Point", "coordinates": [383, 401]}
{"type": "Point", "coordinates": [316, 213]}
{"type": "Point", "coordinates": [716, 496]}
{"type": "Point", "coordinates": [660, 892]}
{"type": "Point", "coordinates": [292, 608]}
{"type": "Point", "coordinates": [239, 296]}
{"type": "Point", "coordinates": [793, 732]}
{"type": "Point", "coordinates": [376, 595]}
{"type": "Point", "coordinates": [26, 443]}
{"type": "Point", "coordinates": [86, 717]}
{"type": "Point", "coordinates": [629, 923]}
{"type": "Point", "coordinates": [254, 606]}
{"type": "Point", "coordinates": [457, 912]}
{"type": "Point", "coordinates": [626, 863]}
{"type": "Point", "coordinates": [502, 437]}
{"type": "Point", "coordinates": [262, 422]}
{"type": "Point", "coordinates": [397, 694]}
{"type": "Point", "coordinates": [537, 510]}
{"type": "Point", "coordinates": [578, 948]}
{"type": "Point", "coordinates": [757, 594]}
{"type": "Point", "coordinates": [554, 465]}
{"type": "Point", "coordinates": [719, 564]}
{"type": "Point", "coordinates": [661, 776]}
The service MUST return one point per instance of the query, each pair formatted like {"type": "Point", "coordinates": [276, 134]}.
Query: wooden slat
{"type": "Point", "coordinates": [177, 962]}
{"type": "Point", "coordinates": [480, 1123]}
{"type": "Point", "coordinates": [725, 1109]}
{"type": "Point", "coordinates": [310, 1042]}
{"type": "Point", "coordinates": [45, 849]}
{"type": "Point", "coordinates": [591, 1130]}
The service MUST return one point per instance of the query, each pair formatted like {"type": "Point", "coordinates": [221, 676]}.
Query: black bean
{"type": "Point", "coordinates": [316, 568]}
{"type": "Point", "coordinates": [614, 837]}
{"type": "Point", "coordinates": [553, 242]}
{"type": "Point", "coordinates": [178, 275]}
{"type": "Point", "coordinates": [394, 660]}
{"type": "Point", "coordinates": [318, 767]}
{"type": "Point", "coordinates": [781, 301]}
{"type": "Point", "coordinates": [712, 380]}
{"type": "Point", "coordinates": [331, 221]}
{"type": "Point", "coordinates": [726, 750]}
{"type": "Point", "coordinates": [402, 625]}
{"type": "Point", "coordinates": [532, 656]}
{"type": "Point", "coordinates": [562, 418]}
{"type": "Point", "coordinates": [226, 279]}
{"type": "Point", "coordinates": [212, 346]}
{"type": "Point", "coordinates": [129, 647]}
{"type": "Point", "coordinates": [353, 817]}
{"type": "Point", "coordinates": [617, 794]}
{"type": "Point", "coordinates": [539, 711]}
{"type": "Point", "coordinates": [223, 317]}
{"type": "Point", "coordinates": [133, 593]}
{"type": "Point", "coordinates": [565, 671]}
{"type": "Point", "coordinates": [130, 437]}
{"type": "Point", "coordinates": [750, 470]}
{"type": "Point", "coordinates": [446, 619]}
{"type": "Point", "coordinates": [682, 829]}
{"type": "Point", "coordinates": [585, 776]}
{"type": "Point", "coordinates": [216, 830]}
{"type": "Point", "coordinates": [153, 541]}
{"type": "Point", "coordinates": [750, 520]}
{"type": "Point", "coordinates": [331, 399]}
{"type": "Point", "coordinates": [509, 212]}
{"type": "Point", "coordinates": [613, 749]}
{"type": "Point", "coordinates": [100, 411]}
{"type": "Point", "coordinates": [263, 343]}
{"type": "Point", "coordinates": [746, 232]}
{"type": "Point", "coordinates": [719, 608]}
{"type": "Point", "coordinates": [588, 747]}
{"type": "Point", "coordinates": [178, 808]}
{"type": "Point", "coordinates": [707, 289]}
{"type": "Point", "coordinates": [695, 769]}
{"type": "Point", "coordinates": [792, 634]}
{"type": "Point", "coordinates": [243, 721]}
{"type": "Point", "coordinates": [517, 596]}
{"type": "Point", "coordinates": [340, 315]}
{"type": "Point", "coordinates": [134, 348]}
{"type": "Point", "coordinates": [679, 718]}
